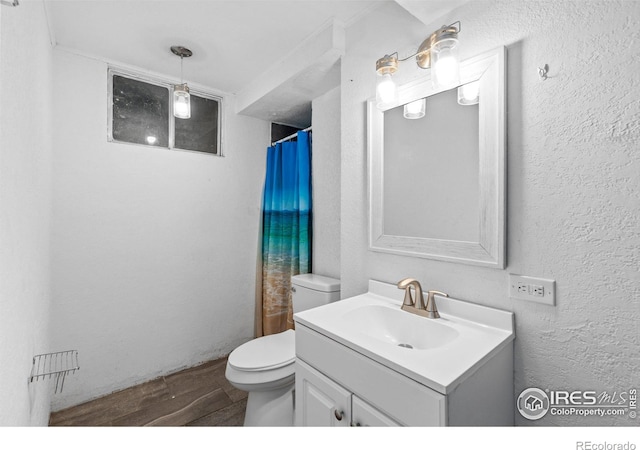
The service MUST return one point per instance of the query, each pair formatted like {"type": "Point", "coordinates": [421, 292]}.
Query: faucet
{"type": "Point", "coordinates": [417, 306]}
{"type": "Point", "coordinates": [407, 284]}
{"type": "Point", "coordinates": [431, 308]}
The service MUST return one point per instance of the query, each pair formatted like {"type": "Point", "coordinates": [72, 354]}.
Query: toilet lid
{"type": "Point", "coordinates": [266, 352]}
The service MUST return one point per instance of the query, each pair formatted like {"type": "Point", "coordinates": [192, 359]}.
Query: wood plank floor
{"type": "Point", "coordinates": [198, 396]}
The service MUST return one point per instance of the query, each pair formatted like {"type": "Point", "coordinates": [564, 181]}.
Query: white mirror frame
{"type": "Point", "coordinates": [489, 68]}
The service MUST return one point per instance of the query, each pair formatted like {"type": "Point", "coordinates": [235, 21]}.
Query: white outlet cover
{"type": "Point", "coordinates": [549, 286]}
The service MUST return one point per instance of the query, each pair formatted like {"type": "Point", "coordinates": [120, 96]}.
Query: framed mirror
{"type": "Point", "coordinates": [437, 164]}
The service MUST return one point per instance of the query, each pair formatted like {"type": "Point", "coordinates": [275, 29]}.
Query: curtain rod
{"type": "Point", "coordinates": [288, 138]}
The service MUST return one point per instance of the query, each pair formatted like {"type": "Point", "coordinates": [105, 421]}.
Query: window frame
{"type": "Point", "coordinates": [165, 83]}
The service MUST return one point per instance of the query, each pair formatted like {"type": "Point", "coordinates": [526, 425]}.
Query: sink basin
{"type": "Point", "coordinates": [438, 353]}
{"type": "Point", "coordinates": [400, 328]}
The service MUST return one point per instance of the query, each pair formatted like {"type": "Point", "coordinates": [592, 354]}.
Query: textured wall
{"type": "Point", "coordinates": [25, 205]}
{"type": "Point", "coordinates": [154, 251]}
{"type": "Point", "coordinates": [326, 184]}
{"type": "Point", "coordinates": [573, 183]}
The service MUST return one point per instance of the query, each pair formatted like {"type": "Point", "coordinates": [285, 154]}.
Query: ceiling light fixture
{"type": "Point", "coordinates": [181, 97]}
{"type": "Point", "coordinates": [439, 52]}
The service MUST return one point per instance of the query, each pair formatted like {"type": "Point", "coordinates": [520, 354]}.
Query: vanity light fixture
{"type": "Point", "coordinates": [386, 91]}
{"type": "Point", "coordinates": [439, 52]}
{"type": "Point", "coordinates": [181, 97]}
{"type": "Point", "coordinates": [416, 109]}
{"type": "Point", "coordinates": [469, 94]}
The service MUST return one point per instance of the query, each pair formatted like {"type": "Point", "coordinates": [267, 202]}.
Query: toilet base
{"type": "Point", "coordinates": [273, 408]}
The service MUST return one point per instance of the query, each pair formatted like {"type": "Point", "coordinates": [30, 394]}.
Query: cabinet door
{"type": "Point", "coordinates": [365, 415]}
{"type": "Point", "coordinates": [320, 402]}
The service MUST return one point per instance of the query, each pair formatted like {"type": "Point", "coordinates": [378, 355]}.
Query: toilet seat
{"type": "Point", "coordinates": [264, 363]}
{"type": "Point", "coordinates": [265, 353]}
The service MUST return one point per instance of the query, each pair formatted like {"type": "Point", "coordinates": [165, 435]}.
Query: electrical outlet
{"type": "Point", "coordinates": [537, 290]}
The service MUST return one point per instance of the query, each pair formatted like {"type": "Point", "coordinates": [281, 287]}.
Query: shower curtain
{"type": "Point", "coordinates": [286, 228]}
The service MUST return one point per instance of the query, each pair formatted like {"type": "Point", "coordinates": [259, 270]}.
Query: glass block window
{"type": "Point", "coordinates": [140, 112]}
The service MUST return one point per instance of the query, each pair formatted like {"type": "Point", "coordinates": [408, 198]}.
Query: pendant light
{"type": "Point", "coordinates": [181, 97]}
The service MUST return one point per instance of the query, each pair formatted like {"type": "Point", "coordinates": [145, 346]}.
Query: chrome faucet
{"type": "Point", "coordinates": [417, 306]}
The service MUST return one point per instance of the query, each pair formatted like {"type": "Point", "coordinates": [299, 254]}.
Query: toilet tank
{"type": "Point", "coordinates": [310, 290]}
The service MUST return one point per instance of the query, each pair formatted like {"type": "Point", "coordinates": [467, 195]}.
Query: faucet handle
{"type": "Point", "coordinates": [431, 307]}
{"type": "Point", "coordinates": [405, 284]}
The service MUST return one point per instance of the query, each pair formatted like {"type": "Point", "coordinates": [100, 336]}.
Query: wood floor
{"type": "Point", "coordinates": [199, 396]}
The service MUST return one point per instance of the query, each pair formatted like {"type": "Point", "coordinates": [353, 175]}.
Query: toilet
{"type": "Point", "coordinates": [264, 367]}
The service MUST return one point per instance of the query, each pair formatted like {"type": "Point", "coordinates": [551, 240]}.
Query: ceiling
{"type": "Point", "coordinates": [234, 42]}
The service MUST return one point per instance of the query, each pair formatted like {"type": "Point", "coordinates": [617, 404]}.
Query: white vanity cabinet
{"type": "Point", "coordinates": [322, 402]}
{"type": "Point", "coordinates": [332, 378]}
{"type": "Point", "coordinates": [348, 376]}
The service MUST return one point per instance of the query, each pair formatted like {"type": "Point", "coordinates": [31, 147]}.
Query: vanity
{"type": "Point", "coordinates": [363, 361]}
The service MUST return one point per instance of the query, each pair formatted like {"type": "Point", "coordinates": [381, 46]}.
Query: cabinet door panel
{"type": "Point", "coordinates": [365, 415]}
{"type": "Point", "coordinates": [319, 401]}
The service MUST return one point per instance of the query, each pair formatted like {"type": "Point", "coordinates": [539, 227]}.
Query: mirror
{"type": "Point", "coordinates": [437, 182]}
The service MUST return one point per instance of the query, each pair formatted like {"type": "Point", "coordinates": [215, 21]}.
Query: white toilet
{"type": "Point", "coordinates": [264, 367]}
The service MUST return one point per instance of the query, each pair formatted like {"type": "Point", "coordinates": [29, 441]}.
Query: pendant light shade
{"type": "Point", "coordinates": [181, 101]}
{"type": "Point", "coordinates": [181, 97]}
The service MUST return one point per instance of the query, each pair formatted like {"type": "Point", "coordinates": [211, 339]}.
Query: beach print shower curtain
{"type": "Point", "coordinates": [286, 227]}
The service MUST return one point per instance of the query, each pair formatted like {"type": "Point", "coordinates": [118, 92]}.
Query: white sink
{"type": "Point", "coordinates": [439, 353]}
{"type": "Point", "coordinates": [395, 327]}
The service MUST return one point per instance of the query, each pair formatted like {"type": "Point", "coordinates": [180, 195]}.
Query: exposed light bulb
{"type": "Point", "coordinates": [415, 110]}
{"type": "Point", "coordinates": [386, 91]}
{"type": "Point", "coordinates": [151, 140]}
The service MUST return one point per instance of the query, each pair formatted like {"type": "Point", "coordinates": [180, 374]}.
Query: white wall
{"type": "Point", "coordinates": [326, 183]}
{"type": "Point", "coordinates": [25, 204]}
{"type": "Point", "coordinates": [573, 183]}
{"type": "Point", "coordinates": [154, 250]}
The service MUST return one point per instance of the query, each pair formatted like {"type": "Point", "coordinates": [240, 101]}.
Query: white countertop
{"type": "Point", "coordinates": [481, 333]}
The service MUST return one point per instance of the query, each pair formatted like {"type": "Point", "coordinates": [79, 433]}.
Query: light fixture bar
{"type": "Point", "coordinates": [10, 3]}
{"type": "Point", "coordinates": [439, 52]}
{"type": "Point", "coordinates": [426, 49]}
